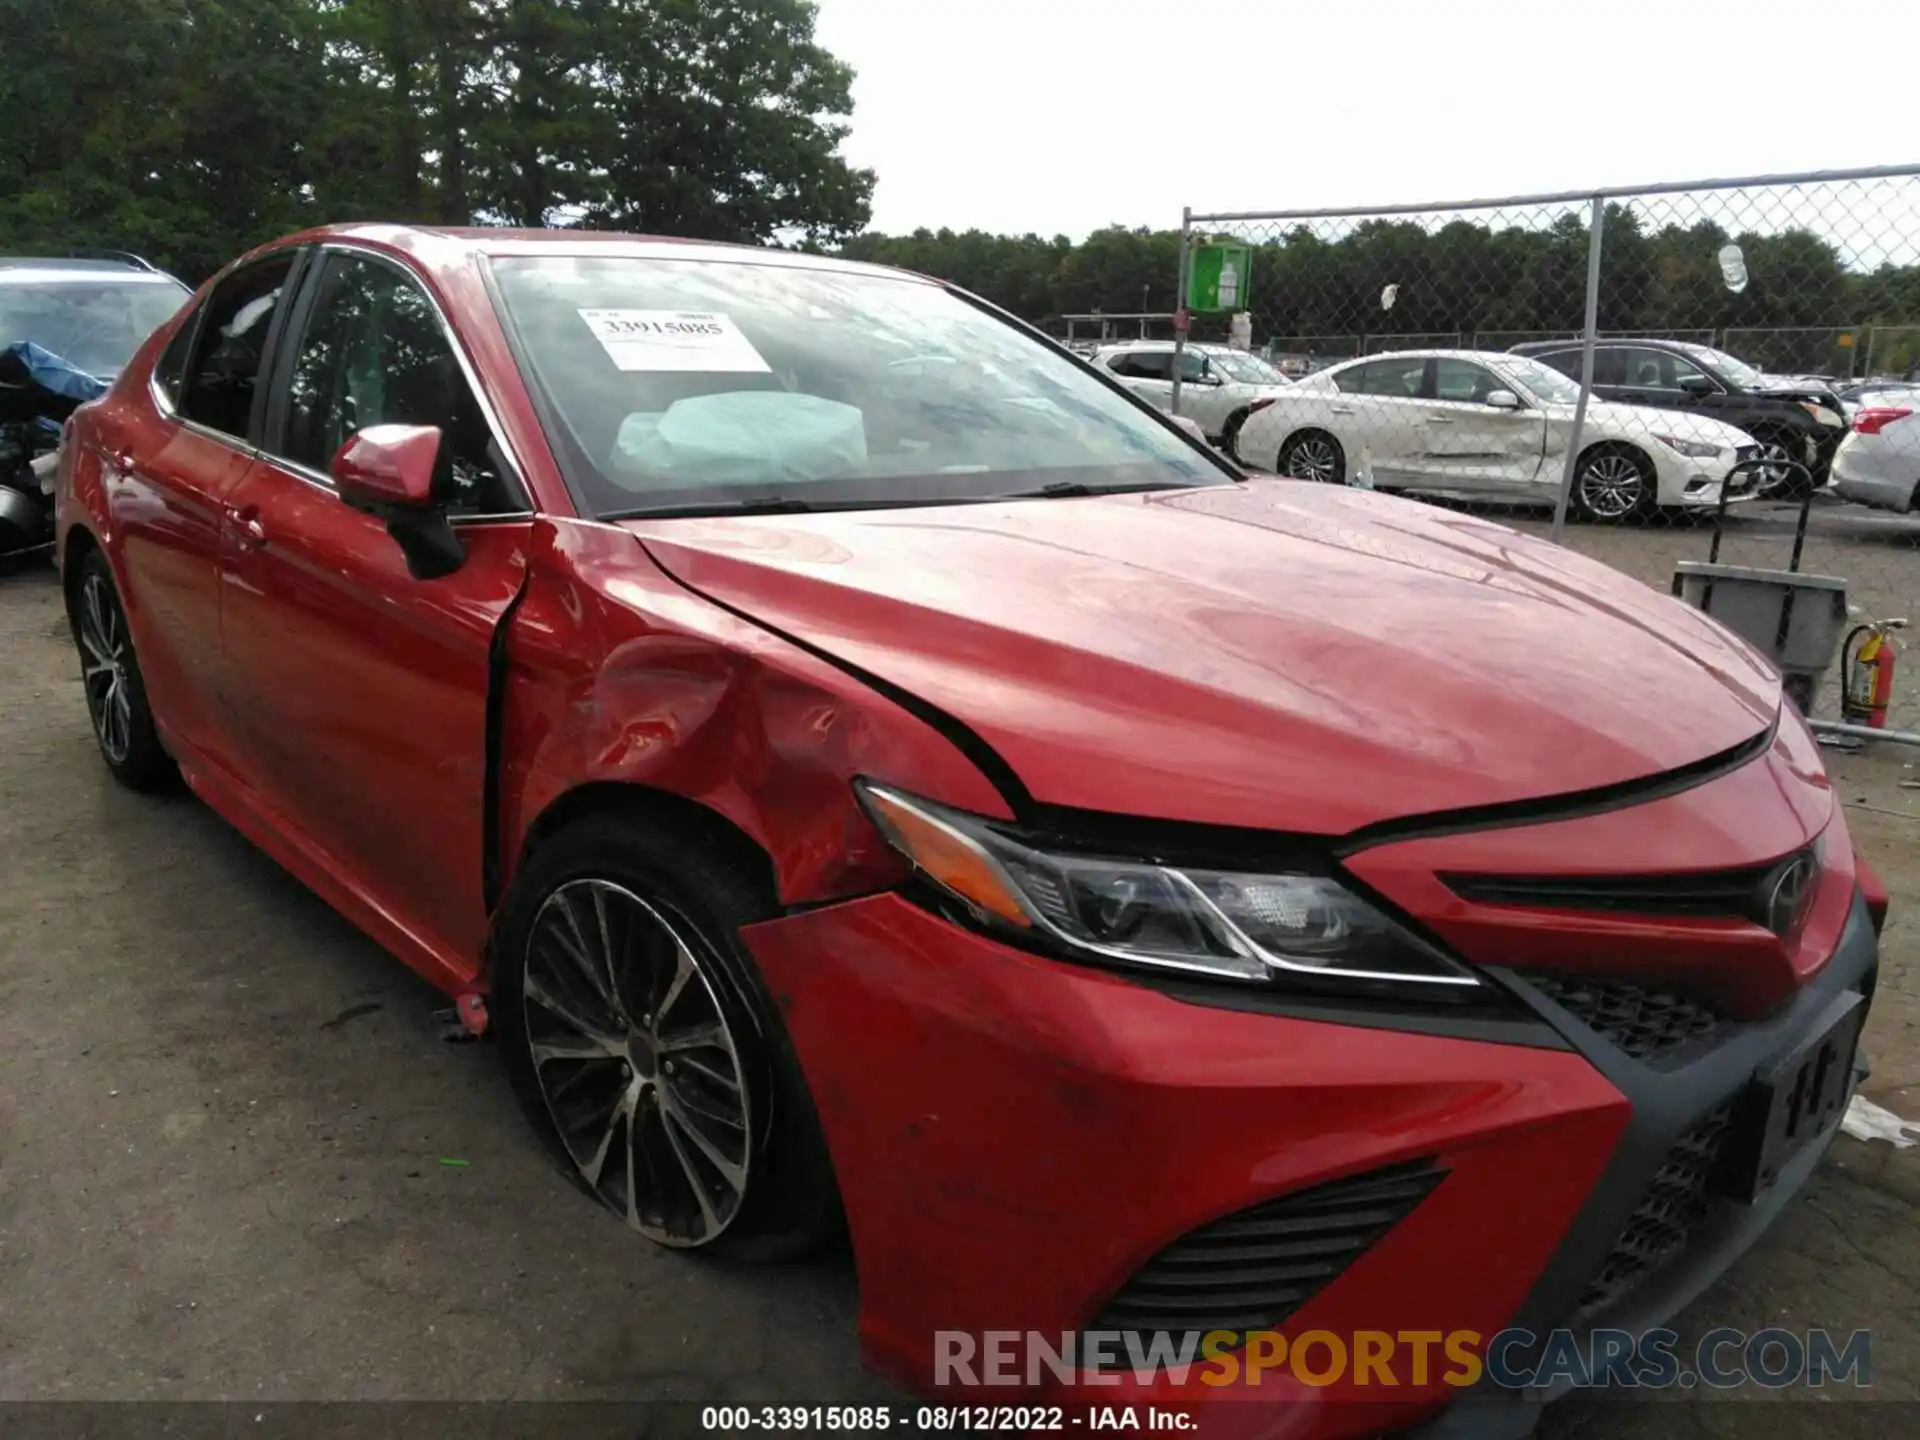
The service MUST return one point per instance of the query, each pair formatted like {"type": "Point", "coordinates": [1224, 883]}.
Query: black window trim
{"type": "Point", "coordinates": [248, 444]}
{"type": "Point", "coordinates": [272, 431]}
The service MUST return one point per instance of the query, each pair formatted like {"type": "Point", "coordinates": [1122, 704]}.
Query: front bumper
{"type": "Point", "coordinates": [1015, 1138]}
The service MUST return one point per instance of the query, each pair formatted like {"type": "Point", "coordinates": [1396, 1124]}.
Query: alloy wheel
{"type": "Point", "coordinates": [1775, 471]}
{"type": "Point", "coordinates": [636, 1061]}
{"type": "Point", "coordinates": [103, 667]}
{"type": "Point", "coordinates": [1314, 459]}
{"type": "Point", "coordinates": [1611, 486]}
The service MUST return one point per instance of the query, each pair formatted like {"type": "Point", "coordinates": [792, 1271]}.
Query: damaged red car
{"type": "Point", "coordinates": [869, 770]}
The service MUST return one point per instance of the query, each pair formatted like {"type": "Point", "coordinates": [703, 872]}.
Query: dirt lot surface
{"type": "Point", "coordinates": [238, 1161]}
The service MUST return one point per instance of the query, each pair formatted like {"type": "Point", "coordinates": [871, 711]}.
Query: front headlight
{"type": "Point", "coordinates": [1823, 414]}
{"type": "Point", "coordinates": [1248, 927]}
{"type": "Point", "coordinates": [1694, 449]}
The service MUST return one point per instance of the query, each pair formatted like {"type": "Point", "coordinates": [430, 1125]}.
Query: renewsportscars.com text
{"type": "Point", "coordinates": [1513, 1359]}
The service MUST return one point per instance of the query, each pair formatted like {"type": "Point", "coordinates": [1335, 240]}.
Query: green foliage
{"type": "Point", "coordinates": [189, 130]}
{"type": "Point", "coordinates": [1465, 277]}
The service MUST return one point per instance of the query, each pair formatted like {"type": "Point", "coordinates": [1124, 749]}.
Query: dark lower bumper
{"type": "Point", "coordinates": [1665, 1104]}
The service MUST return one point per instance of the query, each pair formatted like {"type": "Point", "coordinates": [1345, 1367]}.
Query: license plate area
{"type": "Point", "coordinates": [1792, 1103]}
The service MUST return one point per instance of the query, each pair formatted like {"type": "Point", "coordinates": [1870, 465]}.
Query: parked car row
{"type": "Point", "coordinates": [1667, 424]}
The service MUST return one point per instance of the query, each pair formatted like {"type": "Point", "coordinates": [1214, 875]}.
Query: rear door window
{"type": "Point", "coordinates": [229, 347]}
{"type": "Point", "coordinates": [1608, 365]}
{"type": "Point", "coordinates": [1144, 365]}
{"type": "Point", "coordinates": [1398, 376]}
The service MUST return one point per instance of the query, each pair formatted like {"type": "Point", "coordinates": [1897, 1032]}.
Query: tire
{"type": "Point", "coordinates": [1313, 455]}
{"type": "Point", "coordinates": [1230, 435]}
{"type": "Point", "coordinates": [1614, 484]}
{"type": "Point", "coordinates": [678, 1033]}
{"type": "Point", "coordinates": [116, 695]}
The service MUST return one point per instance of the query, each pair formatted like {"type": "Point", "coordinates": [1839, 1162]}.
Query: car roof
{"type": "Point", "coordinates": [1481, 357]}
{"type": "Point", "coordinates": [447, 247]}
{"type": "Point", "coordinates": [1645, 342]}
{"type": "Point", "coordinates": [61, 270]}
{"type": "Point", "coordinates": [1211, 347]}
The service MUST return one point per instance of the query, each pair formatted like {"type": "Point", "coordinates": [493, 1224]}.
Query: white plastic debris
{"type": "Point", "coordinates": [1865, 1120]}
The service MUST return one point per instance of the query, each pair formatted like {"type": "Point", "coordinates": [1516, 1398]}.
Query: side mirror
{"type": "Point", "coordinates": [1697, 385]}
{"type": "Point", "coordinates": [1503, 400]}
{"type": "Point", "coordinates": [388, 467]}
{"type": "Point", "coordinates": [387, 471]}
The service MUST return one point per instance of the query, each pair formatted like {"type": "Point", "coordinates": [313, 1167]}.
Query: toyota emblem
{"type": "Point", "coordinates": [1787, 893]}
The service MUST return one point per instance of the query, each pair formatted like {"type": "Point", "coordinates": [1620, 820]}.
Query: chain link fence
{"type": "Point", "coordinates": [1633, 372]}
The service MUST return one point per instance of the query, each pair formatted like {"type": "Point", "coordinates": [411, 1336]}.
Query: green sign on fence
{"type": "Point", "coordinates": [1218, 277]}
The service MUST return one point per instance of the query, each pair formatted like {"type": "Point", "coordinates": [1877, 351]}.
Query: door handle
{"type": "Point", "coordinates": [247, 522]}
{"type": "Point", "coordinates": [1439, 420]}
{"type": "Point", "coordinates": [1341, 409]}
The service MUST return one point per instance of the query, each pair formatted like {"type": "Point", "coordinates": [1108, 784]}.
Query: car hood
{"type": "Point", "coordinates": [1268, 654]}
{"type": "Point", "coordinates": [1796, 387]}
{"type": "Point", "coordinates": [1648, 420]}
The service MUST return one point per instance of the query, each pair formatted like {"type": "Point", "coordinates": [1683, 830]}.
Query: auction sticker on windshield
{"type": "Point", "coordinates": [673, 340]}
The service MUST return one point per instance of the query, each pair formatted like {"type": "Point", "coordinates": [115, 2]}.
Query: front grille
{"type": "Point", "coordinates": [1647, 1023]}
{"type": "Point", "coordinates": [1675, 1203]}
{"type": "Point", "coordinates": [1706, 893]}
{"type": "Point", "coordinates": [1252, 1269]}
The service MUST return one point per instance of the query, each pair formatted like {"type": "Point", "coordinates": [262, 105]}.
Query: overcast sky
{"type": "Point", "coordinates": [1066, 115]}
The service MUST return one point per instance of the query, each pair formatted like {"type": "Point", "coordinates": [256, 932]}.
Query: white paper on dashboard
{"type": "Point", "coordinates": [674, 340]}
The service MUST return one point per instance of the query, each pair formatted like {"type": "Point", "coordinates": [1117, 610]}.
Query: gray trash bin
{"type": "Point", "coordinates": [1750, 602]}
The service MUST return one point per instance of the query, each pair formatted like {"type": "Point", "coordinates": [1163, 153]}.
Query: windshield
{"type": "Point", "coordinates": [679, 385]}
{"type": "Point", "coordinates": [1247, 369]}
{"type": "Point", "coordinates": [1544, 381]}
{"type": "Point", "coordinates": [93, 325]}
{"type": "Point", "coordinates": [1738, 371]}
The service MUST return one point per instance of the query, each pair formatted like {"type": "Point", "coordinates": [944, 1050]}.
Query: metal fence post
{"type": "Point", "coordinates": [1586, 368]}
{"type": "Point", "coordinates": [1181, 318]}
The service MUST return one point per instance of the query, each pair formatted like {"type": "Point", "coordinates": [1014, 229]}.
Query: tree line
{"type": "Point", "coordinates": [1462, 276]}
{"type": "Point", "coordinates": [190, 130]}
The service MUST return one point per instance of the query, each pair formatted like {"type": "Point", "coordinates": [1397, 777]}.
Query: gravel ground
{"type": "Point", "coordinates": [239, 1162]}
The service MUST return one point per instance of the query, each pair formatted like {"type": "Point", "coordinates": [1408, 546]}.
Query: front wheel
{"type": "Point", "coordinates": [643, 1046]}
{"type": "Point", "coordinates": [1612, 484]}
{"type": "Point", "coordinates": [1313, 455]}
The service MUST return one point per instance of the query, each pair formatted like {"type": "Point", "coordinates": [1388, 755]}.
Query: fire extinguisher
{"type": "Point", "coordinates": [1866, 674]}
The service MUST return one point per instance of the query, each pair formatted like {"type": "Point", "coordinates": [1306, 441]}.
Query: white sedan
{"type": "Point", "coordinates": [1486, 425]}
{"type": "Point", "coordinates": [1879, 461]}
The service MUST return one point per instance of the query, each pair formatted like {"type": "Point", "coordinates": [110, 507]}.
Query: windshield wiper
{"type": "Point", "coordinates": [1075, 489]}
{"type": "Point", "coordinates": [753, 505]}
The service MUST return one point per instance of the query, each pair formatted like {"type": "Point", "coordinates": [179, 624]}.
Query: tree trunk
{"type": "Point", "coordinates": [449, 104]}
{"type": "Point", "coordinates": [406, 120]}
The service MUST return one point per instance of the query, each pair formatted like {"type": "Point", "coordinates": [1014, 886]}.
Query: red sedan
{"type": "Point", "coordinates": [867, 768]}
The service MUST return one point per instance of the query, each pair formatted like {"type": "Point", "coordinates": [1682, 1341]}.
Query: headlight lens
{"type": "Point", "coordinates": [1695, 449]}
{"type": "Point", "coordinates": [1247, 927]}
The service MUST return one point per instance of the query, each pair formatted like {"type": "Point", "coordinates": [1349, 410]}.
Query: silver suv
{"type": "Point", "coordinates": [93, 311]}
{"type": "Point", "coordinates": [1219, 386]}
